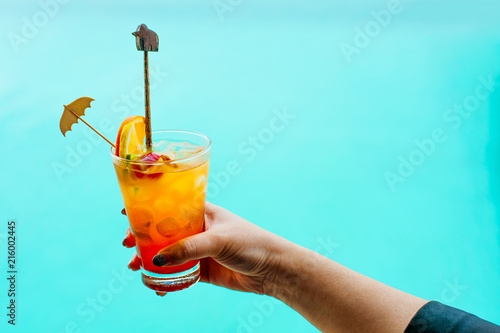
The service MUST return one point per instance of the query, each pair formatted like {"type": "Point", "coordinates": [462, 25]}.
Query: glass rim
{"type": "Point", "coordinates": [179, 160]}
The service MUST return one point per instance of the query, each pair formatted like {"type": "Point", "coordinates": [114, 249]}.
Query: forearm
{"type": "Point", "coordinates": [336, 299]}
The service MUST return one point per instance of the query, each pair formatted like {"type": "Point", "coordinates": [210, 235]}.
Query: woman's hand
{"type": "Point", "coordinates": [237, 254]}
{"type": "Point", "coordinates": [233, 252]}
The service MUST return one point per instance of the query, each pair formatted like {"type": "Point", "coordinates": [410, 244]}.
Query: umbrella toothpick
{"type": "Point", "coordinates": [86, 123]}
{"type": "Point", "coordinates": [74, 111]}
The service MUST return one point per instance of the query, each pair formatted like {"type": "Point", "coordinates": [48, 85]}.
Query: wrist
{"type": "Point", "coordinates": [284, 278]}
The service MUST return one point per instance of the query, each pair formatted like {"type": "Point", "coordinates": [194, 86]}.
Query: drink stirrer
{"type": "Point", "coordinates": [146, 40]}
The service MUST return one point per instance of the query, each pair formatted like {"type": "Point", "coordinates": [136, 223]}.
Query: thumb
{"type": "Point", "coordinates": [198, 246]}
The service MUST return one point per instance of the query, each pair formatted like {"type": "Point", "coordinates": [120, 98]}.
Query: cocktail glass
{"type": "Point", "coordinates": [165, 202]}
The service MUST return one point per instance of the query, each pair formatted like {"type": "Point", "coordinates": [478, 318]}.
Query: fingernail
{"type": "Point", "coordinates": [128, 242]}
{"type": "Point", "coordinates": [160, 260]}
{"type": "Point", "coordinates": [133, 266]}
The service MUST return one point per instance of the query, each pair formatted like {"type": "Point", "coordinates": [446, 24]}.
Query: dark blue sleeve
{"type": "Point", "coordinates": [435, 317]}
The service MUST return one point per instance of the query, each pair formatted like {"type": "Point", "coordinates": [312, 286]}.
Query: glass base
{"type": "Point", "coordinates": [171, 282]}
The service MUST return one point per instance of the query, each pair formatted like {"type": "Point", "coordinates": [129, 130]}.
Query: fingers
{"type": "Point", "coordinates": [204, 270]}
{"type": "Point", "coordinates": [212, 215]}
{"type": "Point", "coordinates": [129, 240]}
{"type": "Point", "coordinates": [211, 210]}
{"type": "Point", "coordinates": [205, 244]}
{"type": "Point", "coordinates": [135, 262]}
{"type": "Point", "coordinates": [209, 206]}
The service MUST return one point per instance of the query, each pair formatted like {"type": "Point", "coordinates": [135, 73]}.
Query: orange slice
{"type": "Point", "coordinates": [130, 139]}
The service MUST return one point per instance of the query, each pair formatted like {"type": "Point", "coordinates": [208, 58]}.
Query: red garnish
{"type": "Point", "coordinates": [141, 169]}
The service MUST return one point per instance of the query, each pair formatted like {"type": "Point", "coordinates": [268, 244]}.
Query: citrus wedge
{"type": "Point", "coordinates": [130, 139]}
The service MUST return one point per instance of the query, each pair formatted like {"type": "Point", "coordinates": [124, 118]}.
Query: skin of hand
{"type": "Point", "coordinates": [234, 253]}
{"type": "Point", "coordinates": [239, 255]}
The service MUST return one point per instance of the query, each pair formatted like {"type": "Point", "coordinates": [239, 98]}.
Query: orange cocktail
{"type": "Point", "coordinates": [165, 202]}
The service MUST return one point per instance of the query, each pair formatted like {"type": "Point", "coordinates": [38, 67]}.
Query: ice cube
{"type": "Point", "coordinates": [163, 205]}
{"type": "Point", "coordinates": [176, 149]}
{"type": "Point", "coordinates": [139, 194]}
{"type": "Point", "coordinates": [168, 227]}
{"type": "Point", "coordinates": [140, 218]}
{"type": "Point", "coordinates": [200, 181]}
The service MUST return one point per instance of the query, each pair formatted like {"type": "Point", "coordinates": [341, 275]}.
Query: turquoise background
{"type": "Point", "coordinates": [225, 68]}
